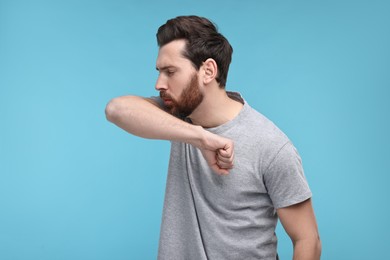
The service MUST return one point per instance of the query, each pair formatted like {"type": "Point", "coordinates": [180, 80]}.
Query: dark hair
{"type": "Point", "coordinates": [203, 42]}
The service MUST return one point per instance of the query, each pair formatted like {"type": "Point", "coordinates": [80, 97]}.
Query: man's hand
{"type": "Point", "coordinates": [218, 152]}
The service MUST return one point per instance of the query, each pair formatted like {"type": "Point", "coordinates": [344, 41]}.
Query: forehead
{"type": "Point", "coordinates": [171, 55]}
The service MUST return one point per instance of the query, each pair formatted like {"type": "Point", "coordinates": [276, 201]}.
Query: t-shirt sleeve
{"type": "Point", "coordinates": [285, 179]}
{"type": "Point", "coordinates": [158, 101]}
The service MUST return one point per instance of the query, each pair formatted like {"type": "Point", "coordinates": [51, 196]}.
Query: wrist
{"type": "Point", "coordinates": [197, 138]}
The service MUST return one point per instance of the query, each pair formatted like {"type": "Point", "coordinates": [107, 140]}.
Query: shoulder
{"type": "Point", "coordinates": [261, 128]}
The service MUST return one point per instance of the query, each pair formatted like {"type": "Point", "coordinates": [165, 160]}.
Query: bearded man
{"type": "Point", "coordinates": [232, 172]}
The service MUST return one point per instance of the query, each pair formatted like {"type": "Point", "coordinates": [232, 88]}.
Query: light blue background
{"type": "Point", "coordinates": [73, 186]}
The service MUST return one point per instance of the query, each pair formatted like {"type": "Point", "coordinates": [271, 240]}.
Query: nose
{"type": "Point", "coordinates": [161, 84]}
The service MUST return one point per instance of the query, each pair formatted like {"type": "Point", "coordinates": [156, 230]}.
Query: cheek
{"type": "Point", "coordinates": [177, 87]}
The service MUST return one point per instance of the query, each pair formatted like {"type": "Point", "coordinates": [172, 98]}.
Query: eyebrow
{"type": "Point", "coordinates": [165, 68]}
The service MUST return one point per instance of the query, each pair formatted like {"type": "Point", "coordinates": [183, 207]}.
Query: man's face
{"type": "Point", "coordinates": [178, 80]}
{"type": "Point", "coordinates": [188, 101]}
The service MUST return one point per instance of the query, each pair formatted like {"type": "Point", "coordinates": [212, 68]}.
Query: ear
{"type": "Point", "coordinates": [210, 70]}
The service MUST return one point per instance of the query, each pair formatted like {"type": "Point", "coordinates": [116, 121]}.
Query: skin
{"type": "Point", "coordinates": [300, 224]}
{"type": "Point", "coordinates": [198, 95]}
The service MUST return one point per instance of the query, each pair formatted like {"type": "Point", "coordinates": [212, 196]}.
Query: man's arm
{"type": "Point", "coordinates": [142, 117]}
{"type": "Point", "coordinates": [300, 224]}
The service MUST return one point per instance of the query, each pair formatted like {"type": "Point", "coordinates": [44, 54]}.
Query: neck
{"type": "Point", "coordinates": [216, 109]}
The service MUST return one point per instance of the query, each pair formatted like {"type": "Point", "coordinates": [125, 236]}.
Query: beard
{"type": "Point", "coordinates": [188, 101]}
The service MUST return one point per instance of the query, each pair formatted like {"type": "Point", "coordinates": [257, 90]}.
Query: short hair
{"type": "Point", "coordinates": [203, 41]}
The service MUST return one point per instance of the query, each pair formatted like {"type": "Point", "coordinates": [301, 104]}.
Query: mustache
{"type": "Point", "coordinates": [165, 95]}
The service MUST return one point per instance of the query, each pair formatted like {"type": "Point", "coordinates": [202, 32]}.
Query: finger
{"type": "Point", "coordinates": [228, 147]}
{"type": "Point", "coordinates": [224, 158]}
{"type": "Point", "coordinates": [223, 154]}
{"type": "Point", "coordinates": [225, 165]}
{"type": "Point", "coordinates": [220, 171]}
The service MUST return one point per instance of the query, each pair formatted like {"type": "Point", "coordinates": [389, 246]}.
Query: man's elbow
{"type": "Point", "coordinates": [309, 248]}
{"type": "Point", "coordinates": [317, 247]}
{"type": "Point", "coordinates": [114, 109]}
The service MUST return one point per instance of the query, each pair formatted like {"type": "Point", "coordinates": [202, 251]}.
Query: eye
{"type": "Point", "coordinates": [170, 73]}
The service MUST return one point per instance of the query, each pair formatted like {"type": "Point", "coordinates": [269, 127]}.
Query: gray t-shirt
{"type": "Point", "coordinates": [207, 216]}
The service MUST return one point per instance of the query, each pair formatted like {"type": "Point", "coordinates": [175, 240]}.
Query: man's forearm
{"type": "Point", "coordinates": [307, 249]}
{"type": "Point", "coordinates": [141, 118]}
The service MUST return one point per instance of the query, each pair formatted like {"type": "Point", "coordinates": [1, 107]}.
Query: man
{"type": "Point", "coordinates": [232, 172]}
